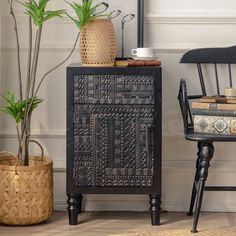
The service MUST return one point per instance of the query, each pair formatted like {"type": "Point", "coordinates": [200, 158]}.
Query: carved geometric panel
{"type": "Point", "coordinates": [113, 145]}
{"type": "Point", "coordinates": [114, 89]}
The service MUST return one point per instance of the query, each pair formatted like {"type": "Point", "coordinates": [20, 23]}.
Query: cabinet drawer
{"type": "Point", "coordinates": [113, 146]}
{"type": "Point", "coordinates": [114, 89]}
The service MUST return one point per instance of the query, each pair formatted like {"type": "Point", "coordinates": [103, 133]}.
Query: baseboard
{"type": "Point", "coordinates": [142, 205]}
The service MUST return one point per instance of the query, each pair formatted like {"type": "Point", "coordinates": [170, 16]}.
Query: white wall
{"type": "Point", "coordinates": [172, 27]}
{"type": "Point", "coordinates": [0, 48]}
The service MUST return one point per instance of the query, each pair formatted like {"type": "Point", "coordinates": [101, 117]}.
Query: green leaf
{"type": "Point", "coordinates": [16, 108]}
{"type": "Point", "coordinates": [38, 11]}
{"type": "Point", "coordinates": [50, 14]}
{"type": "Point", "coordinates": [85, 12]}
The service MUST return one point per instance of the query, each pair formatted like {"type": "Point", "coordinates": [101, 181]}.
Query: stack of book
{"type": "Point", "coordinates": [215, 115]}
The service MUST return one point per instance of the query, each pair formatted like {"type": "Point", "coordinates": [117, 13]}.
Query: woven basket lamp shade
{"type": "Point", "coordinates": [98, 43]}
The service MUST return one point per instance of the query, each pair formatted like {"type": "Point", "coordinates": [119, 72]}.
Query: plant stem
{"type": "Point", "coordinates": [33, 62]}
{"type": "Point", "coordinates": [24, 150]}
{"type": "Point", "coordinates": [28, 81]}
{"type": "Point", "coordinates": [27, 117]}
{"type": "Point", "coordinates": [54, 68]}
{"type": "Point", "coordinates": [25, 131]}
{"type": "Point", "coordinates": [38, 41]}
{"type": "Point", "coordinates": [18, 48]}
{"type": "Point", "coordinates": [21, 144]}
{"type": "Point", "coordinates": [26, 143]}
{"type": "Point", "coordinates": [18, 135]}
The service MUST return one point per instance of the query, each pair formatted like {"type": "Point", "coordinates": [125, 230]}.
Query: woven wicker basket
{"type": "Point", "coordinates": [98, 43]}
{"type": "Point", "coordinates": [26, 195]}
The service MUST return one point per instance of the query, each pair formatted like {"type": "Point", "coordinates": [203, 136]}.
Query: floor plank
{"type": "Point", "coordinates": [108, 223]}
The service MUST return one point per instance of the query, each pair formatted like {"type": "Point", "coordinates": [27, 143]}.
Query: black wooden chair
{"type": "Point", "coordinates": [214, 57]}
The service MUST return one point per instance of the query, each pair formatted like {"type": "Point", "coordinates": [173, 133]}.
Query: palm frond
{"type": "Point", "coordinates": [85, 12]}
{"type": "Point", "coordinates": [16, 108]}
{"type": "Point", "coordinates": [38, 11]}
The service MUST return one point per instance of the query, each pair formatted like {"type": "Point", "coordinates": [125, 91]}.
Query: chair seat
{"type": "Point", "coordinates": [192, 136]}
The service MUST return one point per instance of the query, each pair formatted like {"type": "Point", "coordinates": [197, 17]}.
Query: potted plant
{"type": "Point", "coordinates": [97, 38]}
{"type": "Point", "coordinates": [26, 195]}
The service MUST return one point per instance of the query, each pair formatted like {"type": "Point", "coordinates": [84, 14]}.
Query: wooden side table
{"type": "Point", "coordinates": [114, 134]}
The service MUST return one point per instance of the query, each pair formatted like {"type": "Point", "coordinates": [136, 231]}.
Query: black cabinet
{"type": "Point", "coordinates": [113, 134]}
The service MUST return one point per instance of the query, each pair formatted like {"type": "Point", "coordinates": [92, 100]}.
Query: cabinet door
{"type": "Point", "coordinates": [113, 145]}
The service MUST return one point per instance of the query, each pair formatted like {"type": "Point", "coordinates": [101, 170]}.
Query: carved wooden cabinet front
{"type": "Point", "coordinates": [113, 133]}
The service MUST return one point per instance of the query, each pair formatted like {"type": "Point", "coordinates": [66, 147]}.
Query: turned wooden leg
{"type": "Point", "coordinates": [73, 207]}
{"type": "Point", "coordinates": [155, 208]}
{"type": "Point", "coordinates": [206, 154]}
{"type": "Point", "coordinates": [194, 192]}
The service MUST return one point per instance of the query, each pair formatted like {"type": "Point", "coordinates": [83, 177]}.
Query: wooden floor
{"type": "Point", "coordinates": [108, 223]}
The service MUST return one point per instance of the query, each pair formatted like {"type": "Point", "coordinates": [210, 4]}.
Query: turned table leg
{"type": "Point", "coordinates": [74, 202]}
{"type": "Point", "coordinates": [155, 208]}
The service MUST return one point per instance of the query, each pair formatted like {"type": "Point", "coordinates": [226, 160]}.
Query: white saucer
{"type": "Point", "coordinates": [145, 58]}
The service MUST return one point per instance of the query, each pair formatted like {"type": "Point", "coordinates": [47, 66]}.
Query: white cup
{"type": "Point", "coordinates": [143, 52]}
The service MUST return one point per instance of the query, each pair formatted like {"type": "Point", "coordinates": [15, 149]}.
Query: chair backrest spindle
{"type": "Point", "coordinates": [217, 79]}
{"type": "Point", "coordinates": [230, 76]}
{"type": "Point", "coordinates": [199, 68]}
{"type": "Point", "coordinates": [212, 57]}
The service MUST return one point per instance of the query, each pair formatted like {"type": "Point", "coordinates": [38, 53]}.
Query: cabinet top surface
{"type": "Point", "coordinates": [77, 67]}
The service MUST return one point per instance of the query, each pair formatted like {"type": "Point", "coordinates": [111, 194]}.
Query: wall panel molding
{"type": "Point", "coordinates": [183, 164]}
{"type": "Point", "coordinates": [170, 18]}
{"type": "Point", "coordinates": [66, 48]}
{"type": "Point", "coordinates": [49, 135]}
{"type": "Point", "coordinates": [207, 17]}
{"type": "Point", "coordinates": [191, 18]}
